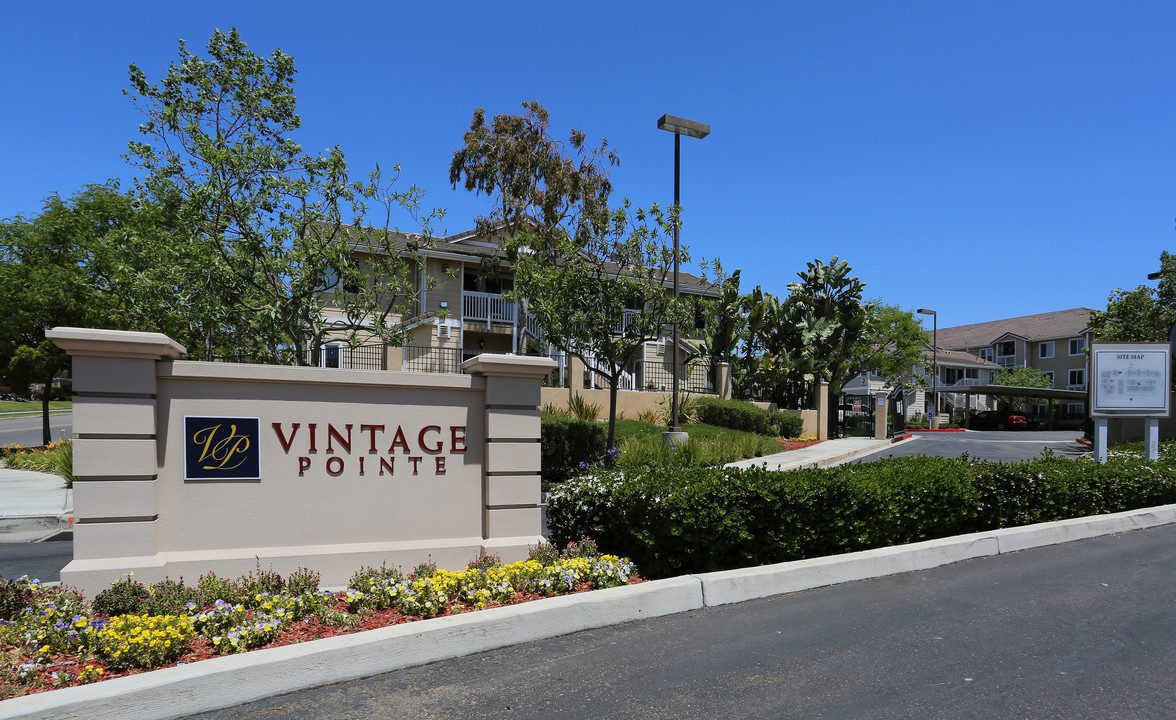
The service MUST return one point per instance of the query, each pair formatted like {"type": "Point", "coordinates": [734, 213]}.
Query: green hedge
{"type": "Point", "coordinates": [673, 521]}
{"type": "Point", "coordinates": [788, 425]}
{"type": "Point", "coordinates": [742, 415]}
{"type": "Point", "coordinates": [567, 442]}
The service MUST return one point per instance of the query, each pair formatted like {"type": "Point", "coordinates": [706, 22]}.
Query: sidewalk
{"type": "Point", "coordinates": [824, 454]}
{"type": "Point", "coordinates": [33, 505]}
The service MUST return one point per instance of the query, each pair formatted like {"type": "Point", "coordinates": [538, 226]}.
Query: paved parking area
{"type": "Point", "coordinates": [1006, 445]}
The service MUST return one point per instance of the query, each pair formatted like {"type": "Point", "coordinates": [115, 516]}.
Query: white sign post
{"type": "Point", "coordinates": [1130, 380]}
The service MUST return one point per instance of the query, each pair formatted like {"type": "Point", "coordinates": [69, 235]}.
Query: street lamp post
{"type": "Point", "coordinates": [678, 126]}
{"type": "Point", "coordinates": [934, 359]}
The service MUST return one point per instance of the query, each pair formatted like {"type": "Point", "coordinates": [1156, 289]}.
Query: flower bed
{"type": "Point", "coordinates": [53, 637]}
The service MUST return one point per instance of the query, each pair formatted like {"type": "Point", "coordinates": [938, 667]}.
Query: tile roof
{"type": "Point", "coordinates": [956, 357]}
{"type": "Point", "coordinates": [1042, 326]}
{"type": "Point", "coordinates": [466, 243]}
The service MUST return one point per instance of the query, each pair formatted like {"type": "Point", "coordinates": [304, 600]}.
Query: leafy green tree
{"type": "Point", "coordinates": [580, 289]}
{"type": "Point", "coordinates": [554, 191]}
{"type": "Point", "coordinates": [1022, 377]}
{"type": "Point", "coordinates": [725, 324]}
{"type": "Point", "coordinates": [270, 229]}
{"type": "Point", "coordinates": [48, 278]}
{"type": "Point", "coordinates": [1141, 315]}
{"type": "Point", "coordinates": [893, 344]}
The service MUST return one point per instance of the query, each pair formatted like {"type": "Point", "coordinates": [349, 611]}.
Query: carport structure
{"type": "Point", "coordinates": [1053, 395]}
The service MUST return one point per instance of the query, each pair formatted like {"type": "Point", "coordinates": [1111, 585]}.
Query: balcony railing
{"type": "Point", "coordinates": [1006, 360]}
{"type": "Point", "coordinates": [626, 318]}
{"type": "Point", "coordinates": [488, 308]}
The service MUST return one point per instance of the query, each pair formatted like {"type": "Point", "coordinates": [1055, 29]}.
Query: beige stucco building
{"type": "Point", "coordinates": [1054, 343]}
{"type": "Point", "coordinates": [460, 310]}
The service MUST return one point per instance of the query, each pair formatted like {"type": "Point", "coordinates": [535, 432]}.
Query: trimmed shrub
{"type": "Point", "coordinates": [676, 520]}
{"type": "Point", "coordinates": [734, 414]}
{"type": "Point", "coordinates": [743, 415]}
{"type": "Point", "coordinates": [567, 442]}
{"type": "Point", "coordinates": [787, 425]}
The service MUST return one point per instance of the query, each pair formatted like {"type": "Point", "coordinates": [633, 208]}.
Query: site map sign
{"type": "Point", "coordinates": [1131, 379]}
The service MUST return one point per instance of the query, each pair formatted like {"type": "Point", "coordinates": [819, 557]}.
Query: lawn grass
{"type": "Point", "coordinates": [33, 405]}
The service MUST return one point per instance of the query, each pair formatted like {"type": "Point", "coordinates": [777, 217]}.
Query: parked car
{"type": "Point", "coordinates": [1000, 420]}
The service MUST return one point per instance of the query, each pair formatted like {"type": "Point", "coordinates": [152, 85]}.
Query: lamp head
{"type": "Point", "coordinates": [682, 126]}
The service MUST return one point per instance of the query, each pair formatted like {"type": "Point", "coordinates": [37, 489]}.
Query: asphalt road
{"type": "Point", "coordinates": [27, 430]}
{"type": "Point", "coordinates": [41, 560]}
{"type": "Point", "coordinates": [1082, 630]}
{"type": "Point", "coordinates": [1006, 445]}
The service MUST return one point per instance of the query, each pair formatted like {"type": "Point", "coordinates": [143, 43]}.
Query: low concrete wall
{"type": "Point", "coordinates": [186, 467]}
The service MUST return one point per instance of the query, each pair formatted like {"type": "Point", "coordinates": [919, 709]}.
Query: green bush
{"type": "Point", "coordinates": [787, 425]}
{"type": "Point", "coordinates": [743, 415]}
{"type": "Point", "coordinates": [672, 520]}
{"type": "Point", "coordinates": [567, 442]}
{"type": "Point", "coordinates": [123, 597]}
{"type": "Point", "coordinates": [734, 414]}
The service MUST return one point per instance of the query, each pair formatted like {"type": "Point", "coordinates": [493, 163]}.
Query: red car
{"type": "Point", "coordinates": [999, 420]}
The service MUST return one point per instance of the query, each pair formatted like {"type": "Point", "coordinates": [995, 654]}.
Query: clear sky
{"type": "Point", "coordinates": [983, 159]}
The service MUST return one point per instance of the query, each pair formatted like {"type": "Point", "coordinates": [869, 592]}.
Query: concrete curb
{"type": "Point", "coordinates": [230, 681]}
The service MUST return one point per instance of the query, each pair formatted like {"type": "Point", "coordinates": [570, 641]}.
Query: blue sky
{"type": "Point", "coordinates": [985, 160]}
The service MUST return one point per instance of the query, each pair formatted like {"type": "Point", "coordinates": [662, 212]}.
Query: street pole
{"type": "Point", "coordinates": [678, 126]}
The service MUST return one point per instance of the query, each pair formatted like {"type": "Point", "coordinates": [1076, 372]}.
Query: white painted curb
{"type": "Point", "coordinates": [732, 586]}
{"type": "Point", "coordinates": [229, 681]}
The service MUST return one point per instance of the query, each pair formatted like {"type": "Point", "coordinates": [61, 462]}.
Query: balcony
{"type": "Point", "coordinates": [488, 308]}
{"type": "Point", "coordinates": [626, 318]}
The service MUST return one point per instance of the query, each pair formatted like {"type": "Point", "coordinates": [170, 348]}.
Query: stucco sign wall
{"type": "Point", "coordinates": [186, 467]}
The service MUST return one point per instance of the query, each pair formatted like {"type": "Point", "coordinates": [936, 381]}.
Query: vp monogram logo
{"type": "Point", "coordinates": [221, 448]}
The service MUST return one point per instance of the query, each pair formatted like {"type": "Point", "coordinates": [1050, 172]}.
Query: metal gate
{"type": "Point", "coordinates": [854, 416]}
{"type": "Point", "coordinates": [896, 413]}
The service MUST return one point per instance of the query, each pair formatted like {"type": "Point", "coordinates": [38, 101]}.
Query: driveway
{"type": "Point", "coordinates": [1006, 445]}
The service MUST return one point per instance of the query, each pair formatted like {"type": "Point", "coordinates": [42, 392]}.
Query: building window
{"type": "Point", "coordinates": [1075, 409]}
{"type": "Point", "coordinates": [1077, 345]}
{"type": "Point", "coordinates": [1045, 350]}
{"type": "Point", "coordinates": [1006, 349]}
{"type": "Point", "coordinates": [986, 354]}
{"type": "Point", "coordinates": [1049, 374]}
{"type": "Point", "coordinates": [1078, 378]}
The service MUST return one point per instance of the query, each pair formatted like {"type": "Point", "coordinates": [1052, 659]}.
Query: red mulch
{"type": "Point", "coordinates": [796, 444]}
{"type": "Point", "coordinates": [301, 631]}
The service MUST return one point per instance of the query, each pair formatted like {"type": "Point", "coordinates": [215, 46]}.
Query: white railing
{"type": "Point", "coordinates": [488, 308]}
{"type": "Point", "coordinates": [1006, 360]}
{"type": "Point", "coordinates": [626, 318]}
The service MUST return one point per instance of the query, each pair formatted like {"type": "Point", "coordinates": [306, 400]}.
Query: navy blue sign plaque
{"type": "Point", "coordinates": [222, 448]}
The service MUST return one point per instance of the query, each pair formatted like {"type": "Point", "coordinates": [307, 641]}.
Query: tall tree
{"type": "Point", "coordinates": [275, 227]}
{"type": "Point", "coordinates": [893, 344]}
{"type": "Point", "coordinates": [46, 280]}
{"type": "Point", "coordinates": [554, 191]}
{"type": "Point", "coordinates": [725, 323]}
{"type": "Point", "coordinates": [580, 299]}
{"type": "Point", "coordinates": [1144, 314]}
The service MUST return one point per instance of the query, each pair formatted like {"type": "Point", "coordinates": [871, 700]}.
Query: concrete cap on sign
{"type": "Point", "coordinates": [512, 365]}
{"type": "Point", "coordinates": [121, 343]}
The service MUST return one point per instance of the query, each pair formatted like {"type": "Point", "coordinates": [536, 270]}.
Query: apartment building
{"type": "Point", "coordinates": [1054, 343]}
